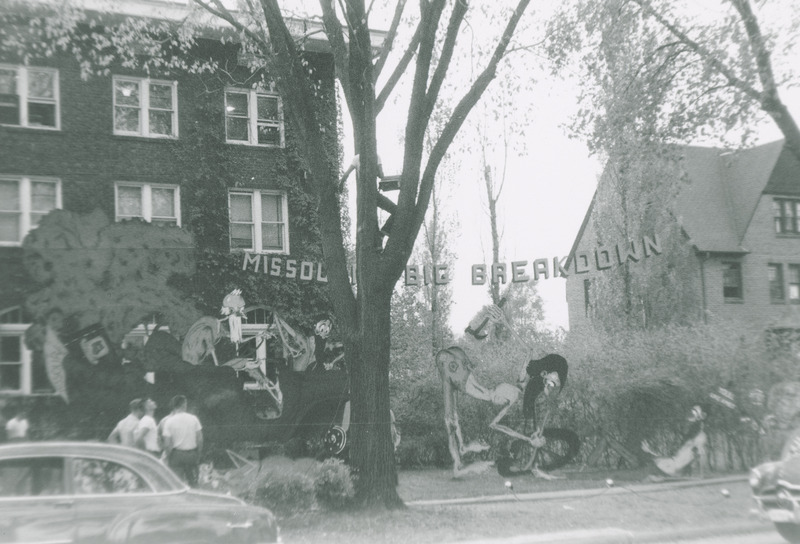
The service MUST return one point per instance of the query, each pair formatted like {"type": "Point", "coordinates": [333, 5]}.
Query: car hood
{"type": "Point", "coordinates": [767, 477]}
{"type": "Point", "coordinates": [789, 473]}
{"type": "Point", "coordinates": [207, 497]}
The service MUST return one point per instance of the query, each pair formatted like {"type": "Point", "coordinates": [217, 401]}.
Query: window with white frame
{"type": "Point", "coordinates": [24, 200]}
{"type": "Point", "coordinates": [158, 204]}
{"type": "Point", "coordinates": [21, 370]}
{"type": "Point", "coordinates": [29, 97]}
{"type": "Point", "coordinates": [258, 221]}
{"type": "Point", "coordinates": [794, 283]}
{"type": "Point", "coordinates": [145, 107]}
{"type": "Point", "coordinates": [253, 117]}
{"type": "Point", "coordinates": [786, 212]}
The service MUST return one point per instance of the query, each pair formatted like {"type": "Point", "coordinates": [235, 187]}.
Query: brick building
{"type": "Point", "coordinates": [139, 146]}
{"type": "Point", "coordinates": [739, 222]}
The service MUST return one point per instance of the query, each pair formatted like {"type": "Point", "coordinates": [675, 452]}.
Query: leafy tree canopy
{"type": "Point", "coordinates": [114, 274]}
{"type": "Point", "coordinates": [680, 71]}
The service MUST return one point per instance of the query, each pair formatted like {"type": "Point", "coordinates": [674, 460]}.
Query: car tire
{"type": "Point", "coordinates": [789, 531]}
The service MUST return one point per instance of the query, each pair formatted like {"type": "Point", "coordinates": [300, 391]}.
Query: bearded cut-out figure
{"type": "Point", "coordinates": [455, 370]}
{"type": "Point", "coordinates": [547, 376]}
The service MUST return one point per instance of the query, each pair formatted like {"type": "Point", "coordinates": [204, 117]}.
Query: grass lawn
{"type": "Point", "coordinates": [629, 509]}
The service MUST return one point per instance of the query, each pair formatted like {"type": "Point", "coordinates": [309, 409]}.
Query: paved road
{"type": "Point", "coordinates": [771, 537]}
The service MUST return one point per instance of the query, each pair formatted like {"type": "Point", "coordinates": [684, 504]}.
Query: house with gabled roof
{"type": "Point", "coordinates": [738, 215]}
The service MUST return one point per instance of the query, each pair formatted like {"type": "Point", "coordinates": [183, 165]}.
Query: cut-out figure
{"type": "Point", "coordinates": [455, 370]}
{"type": "Point", "coordinates": [693, 446]}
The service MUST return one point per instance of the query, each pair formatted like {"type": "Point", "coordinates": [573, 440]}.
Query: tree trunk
{"type": "Point", "coordinates": [373, 461]}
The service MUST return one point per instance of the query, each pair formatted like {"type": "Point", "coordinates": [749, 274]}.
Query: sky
{"type": "Point", "coordinates": [545, 198]}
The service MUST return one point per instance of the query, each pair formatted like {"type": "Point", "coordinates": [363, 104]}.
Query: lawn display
{"type": "Point", "coordinates": [529, 452]}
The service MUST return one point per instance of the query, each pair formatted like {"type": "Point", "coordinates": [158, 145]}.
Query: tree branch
{"type": "Point", "coordinates": [704, 53]}
{"type": "Point", "coordinates": [447, 135]}
{"type": "Point", "coordinates": [222, 12]}
{"type": "Point", "coordinates": [333, 30]}
{"type": "Point", "coordinates": [456, 18]}
{"type": "Point", "coordinates": [390, 37]}
{"type": "Point", "coordinates": [296, 89]}
{"type": "Point", "coordinates": [384, 94]}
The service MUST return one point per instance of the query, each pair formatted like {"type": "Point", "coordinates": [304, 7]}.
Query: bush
{"type": "Point", "coordinates": [640, 384]}
{"type": "Point", "coordinates": [286, 494]}
{"type": "Point", "coordinates": [428, 450]}
{"type": "Point", "coordinates": [333, 484]}
{"type": "Point", "coordinates": [292, 486]}
{"type": "Point", "coordinates": [627, 384]}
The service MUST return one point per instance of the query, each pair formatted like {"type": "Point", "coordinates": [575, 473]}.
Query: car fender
{"type": "Point", "coordinates": [195, 524]}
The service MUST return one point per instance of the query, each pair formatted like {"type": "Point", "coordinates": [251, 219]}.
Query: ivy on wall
{"type": "Point", "coordinates": [211, 167]}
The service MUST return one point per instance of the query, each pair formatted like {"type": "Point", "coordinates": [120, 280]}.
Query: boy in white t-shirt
{"type": "Point", "coordinates": [146, 433]}
{"type": "Point", "coordinates": [183, 441]}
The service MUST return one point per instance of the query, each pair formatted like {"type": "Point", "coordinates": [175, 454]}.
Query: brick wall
{"type": "Point", "coordinates": [765, 246]}
{"type": "Point", "coordinates": [89, 158]}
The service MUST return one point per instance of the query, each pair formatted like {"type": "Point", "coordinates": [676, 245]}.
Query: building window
{"type": "Point", "coordinates": [158, 204]}
{"type": "Point", "coordinates": [786, 212]}
{"type": "Point", "coordinates": [13, 360]}
{"type": "Point", "coordinates": [794, 283]}
{"type": "Point", "coordinates": [776, 293]}
{"type": "Point", "coordinates": [732, 281]}
{"type": "Point", "coordinates": [258, 221]}
{"type": "Point", "coordinates": [145, 107]}
{"type": "Point", "coordinates": [23, 202]}
{"type": "Point", "coordinates": [586, 286]}
{"type": "Point", "coordinates": [29, 97]}
{"type": "Point", "coordinates": [253, 118]}
{"type": "Point", "coordinates": [21, 370]}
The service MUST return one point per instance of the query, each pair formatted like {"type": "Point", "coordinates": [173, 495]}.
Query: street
{"type": "Point", "coordinates": [770, 537]}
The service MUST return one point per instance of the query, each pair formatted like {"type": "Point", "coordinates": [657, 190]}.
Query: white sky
{"type": "Point", "coordinates": [542, 205]}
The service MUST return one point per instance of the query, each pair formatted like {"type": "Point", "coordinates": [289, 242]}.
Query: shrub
{"type": "Point", "coordinates": [636, 384]}
{"type": "Point", "coordinates": [427, 450]}
{"type": "Point", "coordinates": [286, 494]}
{"type": "Point", "coordinates": [627, 384]}
{"type": "Point", "coordinates": [292, 486]}
{"type": "Point", "coordinates": [333, 484]}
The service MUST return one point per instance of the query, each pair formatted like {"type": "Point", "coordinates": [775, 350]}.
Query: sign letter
{"type": "Point", "coordinates": [440, 274]}
{"type": "Point", "coordinates": [498, 272]}
{"type": "Point", "coordinates": [603, 258]}
{"type": "Point", "coordinates": [412, 275]}
{"type": "Point", "coordinates": [559, 269]}
{"type": "Point", "coordinates": [518, 272]}
{"type": "Point", "coordinates": [540, 267]}
{"type": "Point", "coordinates": [651, 245]}
{"type": "Point", "coordinates": [291, 268]}
{"type": "Point", "coordinates": [627, 251]}
{"type": "Point", "coordinates": [478, 274]}
{"type": "Point", "coordinates": [251, 259]}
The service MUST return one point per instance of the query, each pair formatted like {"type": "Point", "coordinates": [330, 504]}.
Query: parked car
{"type": "Point", "coordinates": [776, 490]}
{"type": "Point", "coordinates": [85, 492]}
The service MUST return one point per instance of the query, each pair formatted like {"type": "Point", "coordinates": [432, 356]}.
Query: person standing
{"type": "Point", "coordinates": [17, 426]}
{"type": "Point", "coordinates": [123, 433]}
{"type": "Point", "coordinates": [183, 441]}
{"type": "Point", "coordinates": [146, 434]}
